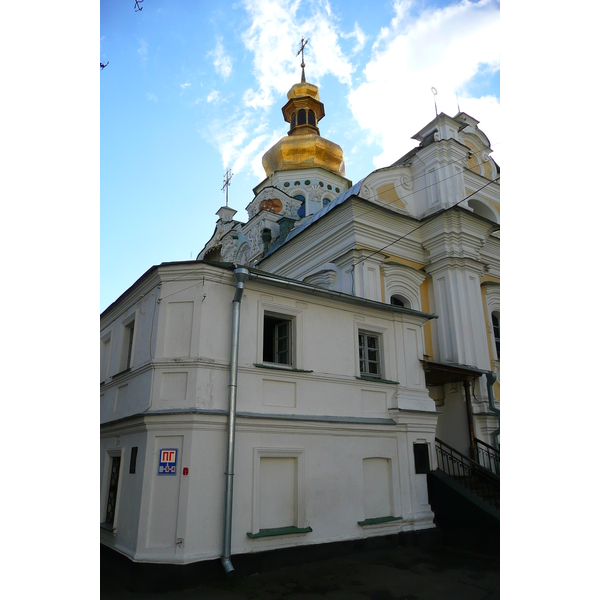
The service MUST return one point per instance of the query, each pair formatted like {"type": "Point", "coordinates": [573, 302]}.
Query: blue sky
{"type": "Point", "coordinates": [192, 88]}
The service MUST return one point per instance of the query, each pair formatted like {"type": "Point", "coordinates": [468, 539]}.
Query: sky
{"type": "Point", "coordinates": [191, 89]}
{"type": "Point", "coordinates": [99, 181]}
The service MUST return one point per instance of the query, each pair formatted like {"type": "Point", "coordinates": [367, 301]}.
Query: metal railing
{"type": "Point", "coordinates": [468, 473]}
{"type": "Point", "coordinates": [488, 456]}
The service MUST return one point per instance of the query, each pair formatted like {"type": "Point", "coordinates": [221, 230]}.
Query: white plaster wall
{"type": "Point", "coordinates": [331, 486]}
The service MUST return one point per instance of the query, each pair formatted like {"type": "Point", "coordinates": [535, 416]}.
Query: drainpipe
{"type": "Point", "coordinates": [240, 275]}
{"type": "Point", "coordinates": [491, 378]}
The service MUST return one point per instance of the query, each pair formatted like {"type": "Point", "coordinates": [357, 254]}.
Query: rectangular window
{"type": "Point", "coordinates": [421, 452]}
{"type": "Point", "coordinates": [115, 467]}
{"type": "Point", "coordinates": [277, 340]}
{"type": "Point", "coordinates": [127, 346]}
{"type": "Point", "coordinates": [369, 355]}
{"type": "Point", "coordinates": [104, 357]}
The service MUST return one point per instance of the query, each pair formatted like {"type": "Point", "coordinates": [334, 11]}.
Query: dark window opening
{"type": "Point", "coordinates": [496, 326]}
{"type": "Point", "coordinates": [397, 301]}
{"type": "Point", "coordinates": [293, 123]}
{"type": "Point", "coordinates": [277, 340]}
{"type": "Point", "coordinates": [421, 452]}
{"type": "Point", "coordinates": [112, 490]}
{"type": "Point", "coordinates": [311, 118]}
{"type": "Point", "coordinates": [130, 346]}
{"type": "Point", "coordinates": [133, 459]}
{"type": "Point", "coordinates": [301, 117]}
{"type": "Point", "coordinates": [326, 201]}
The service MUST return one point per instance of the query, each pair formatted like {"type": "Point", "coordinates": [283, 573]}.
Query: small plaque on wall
{"type": "Point", "coordinates": [167, 463]}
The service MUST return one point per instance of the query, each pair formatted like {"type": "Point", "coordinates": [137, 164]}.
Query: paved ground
{"type": "Point", "coordinates": [405, 573]}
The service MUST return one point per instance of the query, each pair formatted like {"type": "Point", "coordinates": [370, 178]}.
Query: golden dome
{"type": "Point", "coordinates": [303, 147]}
{"type": "Point", "coordinates": [302, 152]}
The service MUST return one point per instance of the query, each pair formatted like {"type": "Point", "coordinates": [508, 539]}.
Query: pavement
{"type": "Point", "coordinates": [405, 573]}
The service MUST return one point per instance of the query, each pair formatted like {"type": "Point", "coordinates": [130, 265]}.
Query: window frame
{"type": "Point", "coordinates": [366, 336]}
{"type": "Point", "coordinates": [128, 337]}
{"type": "Point", "coordinates": [300, 500]}
{"type": "Point", "coordinates": [278, 333]}
{"type": "Point", "coordinates": [111, 454]}
{"type": "Point", "coordinates": [290, 314]}
{"type": "Point", "coordinates": [105, 355]}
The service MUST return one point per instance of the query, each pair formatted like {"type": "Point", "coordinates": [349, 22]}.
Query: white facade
{"type": "Point", "coordinates": [366, 327]}
{"type": "Point", "coordinates": [322, 453]}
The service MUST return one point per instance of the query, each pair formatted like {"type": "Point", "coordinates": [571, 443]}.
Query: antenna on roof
{"type": "Point", "coordinates": [434, 92]}
{"type": "Point", "coordinates": [457, 104]}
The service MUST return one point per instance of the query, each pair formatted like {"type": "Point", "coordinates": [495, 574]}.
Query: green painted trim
{"type": "Point", "coordinates": [279, 531]}
{"type": "Point", "coordinates": [377, 380]}
{"type": "Point", "coordinates": [289, 369]}
{"type": "Point", "coordinates": [378, 520]}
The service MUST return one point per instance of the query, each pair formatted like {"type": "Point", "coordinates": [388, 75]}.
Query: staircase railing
{"type": "Point", "coordinates": [468, 473]}
{"type": "Point", "coordinates": [488, 456]}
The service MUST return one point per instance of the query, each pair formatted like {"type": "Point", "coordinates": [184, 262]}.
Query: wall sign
{"type": "Point", "coordinates": [167, 463]}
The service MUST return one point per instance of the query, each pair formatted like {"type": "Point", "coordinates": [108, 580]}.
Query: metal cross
{"type": "Point", "coordinates": [302, 46]}
{"type": "Point", "coordinates": [226, 184]}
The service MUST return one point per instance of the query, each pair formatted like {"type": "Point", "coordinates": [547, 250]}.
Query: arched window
{"type": "Point", "coordinates": [302, 209]}
{"type": "Point", "coordinates": [301, 117]}
{"type": "Point", "coordinates": [326, 201]}
{"type": "Point", "coordinates": [311, 117]}
{"type": "Point", "coordinates": [397, 300]}
{"type": "Point", "coordinates": [496, 327]}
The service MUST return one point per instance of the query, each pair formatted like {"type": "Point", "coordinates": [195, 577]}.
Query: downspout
{"type": "Point", "coordinates": [240, 275]}
{"type": "Point", "coordinates": [491, 379]}
{"type": "Point", "coordinates": [472, 450]}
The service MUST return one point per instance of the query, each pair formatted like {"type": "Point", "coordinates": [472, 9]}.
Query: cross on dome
{"type": "Point", "coordinates": [302, 46]}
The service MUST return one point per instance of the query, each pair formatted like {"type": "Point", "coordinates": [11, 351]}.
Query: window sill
{"type": "Point", "coordinates": [121, 373]}
{"type": "Point", "coordinates": [279, 531]}
{"type": "Point", "coordinates": [378, 521]}
{"type": "Point", "coordinates": [108, 527]}
{"type": "Point", "coordinates": [276, 367]}
{"type": "Point", "coordinates": [377, 380]}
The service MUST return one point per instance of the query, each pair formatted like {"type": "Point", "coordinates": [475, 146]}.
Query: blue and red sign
{"type": "Point", "coordinates": [167, 461]}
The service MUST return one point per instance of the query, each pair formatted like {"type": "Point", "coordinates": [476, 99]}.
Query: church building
{"type": "Point", "coordinates": [296, 382]}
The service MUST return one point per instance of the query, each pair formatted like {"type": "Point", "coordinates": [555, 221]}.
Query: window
{"type": "Point", "coordinates": [421, 452]}
{"type": "Point", "coordinates": [104, 356]}
{"type": "Point", "coordinates": [115, 467]}
{"type": "Point", "coordinates": [277, 340]}
{"type": "Point", "coordinates": [398, 301]}
{"type": "Point", "coordinates": [302, 209]}
{"type": "Point", "coordinates": [326, 201]}
{"type": "Point", "coordinates": [496, 327]}
{"type": "Point", "coordinates": [369, 355]}
{"type": "Point", "coordinates": [127, 346]}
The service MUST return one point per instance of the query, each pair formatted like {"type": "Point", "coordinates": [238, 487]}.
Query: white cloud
{"type": "Point", "coordinates": [361, 38]}
{"type": "Point", "coordinates": [444, 48]}
{"type": "Point", "coordinates": [151, 97]}
{"type": "Point", "coordinates": [213, 96]}
{"type": "Point", "coordinates": [221, 61]}
{"type": "Point", "coordinates": [187, 84]}
{"type": "Point", "coordinates": [273, 38]}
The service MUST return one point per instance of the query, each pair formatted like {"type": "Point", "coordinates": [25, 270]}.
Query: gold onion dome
{"type": "Point", "coordinates": [304, 147]}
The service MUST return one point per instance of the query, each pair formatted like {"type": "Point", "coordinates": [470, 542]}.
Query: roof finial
{"type": "Point", "coordinates": [434, 92]}
{"type": "Point", "coordinates": [226, 184]}
{"type": "Point", "coordinates": [302, 46]}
